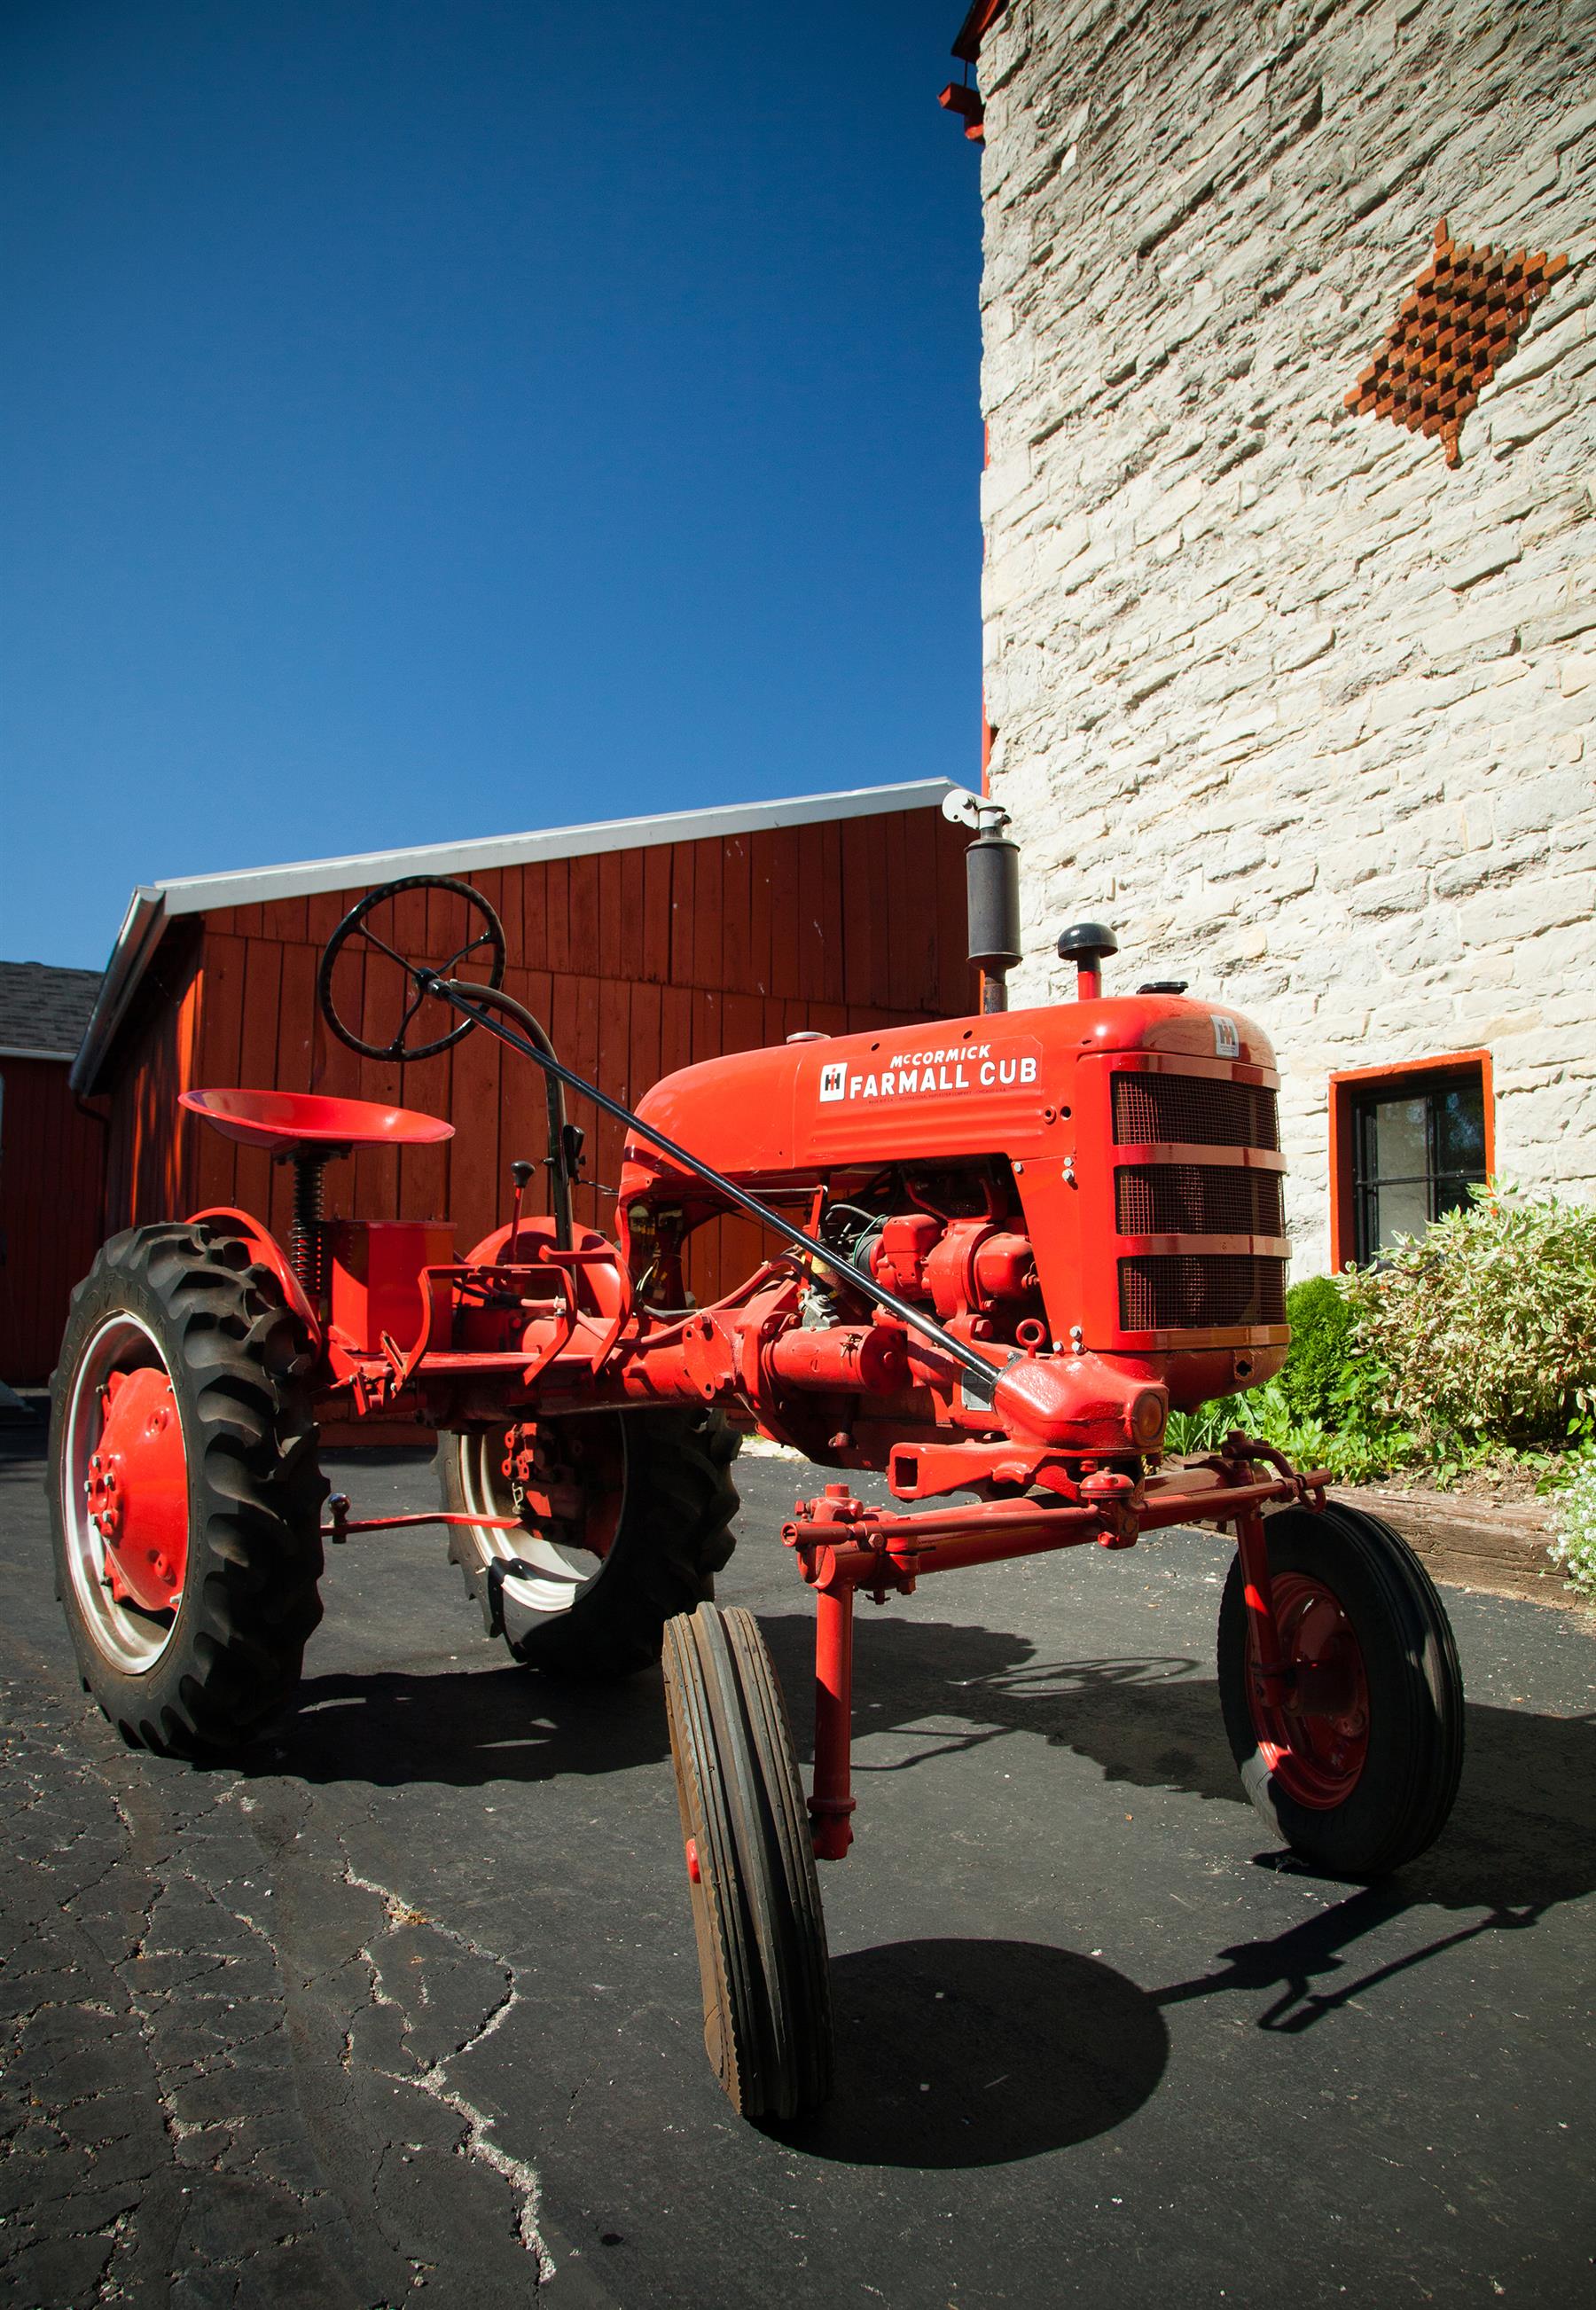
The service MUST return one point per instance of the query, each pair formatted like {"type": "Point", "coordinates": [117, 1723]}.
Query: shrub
{"type": "Point", "coordinates": [1323, 1409]}
{"type": "Point", "coordinates": [1486, 1326]}
{"type": "Point", "coordinates": [1321, 1325]}
{"type": "Point", "coordinates": [1575, 1521]}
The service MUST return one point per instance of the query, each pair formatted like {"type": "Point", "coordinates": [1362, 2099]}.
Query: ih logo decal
{"type": "Point", "coordinates": [833, 1081]}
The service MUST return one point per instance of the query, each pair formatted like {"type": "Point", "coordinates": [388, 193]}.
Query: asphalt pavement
{"type": "Point", "coordinates": [405, 2008]}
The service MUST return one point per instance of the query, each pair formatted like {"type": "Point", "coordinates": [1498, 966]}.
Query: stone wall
{"type": "Point", "coordinates": [1305, 714]}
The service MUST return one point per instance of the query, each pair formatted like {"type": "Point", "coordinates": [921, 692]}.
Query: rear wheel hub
{"type": "Point", "coordinates": [137, 1490]}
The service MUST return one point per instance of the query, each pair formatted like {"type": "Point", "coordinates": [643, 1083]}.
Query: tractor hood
{"type": "Point", "coordinates": [1002, 1084]}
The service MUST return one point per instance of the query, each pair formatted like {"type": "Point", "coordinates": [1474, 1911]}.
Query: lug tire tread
{"type": "Point", "coordinates": [250, 1598]}
{"type": "Point", "coordinates": [674, 1535]}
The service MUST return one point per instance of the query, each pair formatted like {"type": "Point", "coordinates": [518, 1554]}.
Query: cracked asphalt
{"type": "Point", "coordinates": [404, 2008]}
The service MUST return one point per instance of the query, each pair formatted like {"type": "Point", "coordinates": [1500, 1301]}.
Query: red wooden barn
{"type": "Point", "coordinates": [642, 944]}
{"type": "Point", "coordinates": [52, 1163]}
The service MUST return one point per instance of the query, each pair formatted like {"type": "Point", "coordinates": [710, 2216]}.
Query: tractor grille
{"type": "Point", "coordinates": [1196, 1199]}
{"type": "Point", "coordinates": [1192, 1111]}
{"type": "Point", "coordinates": [1194, 1294]}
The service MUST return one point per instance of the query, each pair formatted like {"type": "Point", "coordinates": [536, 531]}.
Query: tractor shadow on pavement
{"type": "Point", "coordinates": [1521, 1839]}
{"type": "Point", "coordinates": [978, 2052]}
{"type": "Point", "coordinates": [468, 1729]}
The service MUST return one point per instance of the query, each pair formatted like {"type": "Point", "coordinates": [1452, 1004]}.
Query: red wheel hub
{"type": "Point", "coordinates": [569, 1479]}
{"type": "Point", "coordinates": [138, 1490]}
{"type": "Point", "coordinates": [1315, 1745]}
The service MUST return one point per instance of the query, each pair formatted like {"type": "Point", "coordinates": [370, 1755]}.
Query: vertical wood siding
{"type": "Point", "coordinates": [52, 1171]}
{"type": "Point", "coordinates": [637, 961]}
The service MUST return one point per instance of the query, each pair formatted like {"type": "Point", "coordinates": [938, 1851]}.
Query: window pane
{"type": "Point", "coordinates": [1452, 1196]}
{"type": "Point", "coordinates": [1417, 1145]}
{"type": "Point", "coordinates": [1460, 1130]}
{"type": "Point", "coordinates": [1401, 1148]}
{"type": "Point", "coordinates": [1403, 1210]}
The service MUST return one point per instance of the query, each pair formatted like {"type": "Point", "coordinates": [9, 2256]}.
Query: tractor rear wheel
{"type": "Point", "coordinates": [184, 1493]}
{"type": "Point", "coordinates": [625, 1520]}
{"type": "Point", "coordinates": [1358, 1772]}
{"type": "Point", "coordinates": [756, 1898]}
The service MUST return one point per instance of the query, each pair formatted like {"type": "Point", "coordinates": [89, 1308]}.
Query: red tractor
{"type": "Point", "coordinates": [1002, 1248]}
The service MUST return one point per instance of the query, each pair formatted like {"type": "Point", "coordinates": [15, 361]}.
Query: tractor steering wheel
{"type": "Point", "coordinates": [367, 970]}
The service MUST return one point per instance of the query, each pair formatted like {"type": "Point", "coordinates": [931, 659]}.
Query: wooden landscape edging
{"type": "Point", "coordinates": [1472, 1543]}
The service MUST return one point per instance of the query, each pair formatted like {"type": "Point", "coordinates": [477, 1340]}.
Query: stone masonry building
{"type": "Point", "coordinates": [1302, 707]}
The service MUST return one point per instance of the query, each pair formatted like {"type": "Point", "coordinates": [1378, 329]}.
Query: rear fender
{"type": "Point", "coordinates": [600, 1286]}
{"type": "Point", "coordinates": [270, 1253]}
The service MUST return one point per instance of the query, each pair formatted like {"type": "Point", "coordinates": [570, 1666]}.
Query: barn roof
{"type": "Point", "coordinates": [44, 1009]}
{"type": "Point", "coordinates": [153, 905]}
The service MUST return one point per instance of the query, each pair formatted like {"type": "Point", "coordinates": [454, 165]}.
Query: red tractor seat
{"type": "Point", "coordinates": [303, 1122]}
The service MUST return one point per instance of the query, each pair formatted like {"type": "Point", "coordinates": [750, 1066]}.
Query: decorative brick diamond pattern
{"type": "Point", "coordinates": [1457, 324]}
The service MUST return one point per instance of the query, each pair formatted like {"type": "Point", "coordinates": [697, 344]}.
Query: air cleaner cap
{"type": "Point", "coordinates": [1087, 942]}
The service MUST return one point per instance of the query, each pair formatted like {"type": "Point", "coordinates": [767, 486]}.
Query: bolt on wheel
{"type": "Point", "coordinates": [756, 1898]}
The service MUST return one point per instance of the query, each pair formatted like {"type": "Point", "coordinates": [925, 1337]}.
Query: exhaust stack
{"type": "Point", "coordinates": [992, 888]}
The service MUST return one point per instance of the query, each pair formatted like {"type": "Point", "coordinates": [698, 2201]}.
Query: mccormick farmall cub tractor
{"type": "Point", "coordinates": [1002, 1248]}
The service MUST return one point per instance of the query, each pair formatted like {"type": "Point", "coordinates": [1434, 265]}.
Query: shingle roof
{"type": "Point", "coordinates": [44, 1008]}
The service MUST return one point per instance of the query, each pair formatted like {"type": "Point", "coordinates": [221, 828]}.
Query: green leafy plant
{"type": "Point", "coordinates": [1206, 1429]}
{"type": "Point", "coordinates": [1316, 1370]}
{"type": "Point", "coordinates": [1483, 1331]}
{"type": "Point", "coordinates": [1474, 1344]}
{"type": "Point", "coordinates": [1323, 1409]}
{"type": "Point", "coordinates": [1573, 1518]}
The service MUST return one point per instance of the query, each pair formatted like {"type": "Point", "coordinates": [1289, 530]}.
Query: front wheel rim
{"type": "Point", "coordinates": [1316, 1746]}
{"type": "Point", "coordinates": [130, 1635]}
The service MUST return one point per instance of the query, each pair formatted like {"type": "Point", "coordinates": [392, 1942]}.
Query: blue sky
{"type": "Point", "coordinates": [428, 420]}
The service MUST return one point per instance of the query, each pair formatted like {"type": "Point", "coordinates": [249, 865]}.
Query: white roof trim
{"type": "Point", "coordinates": [16, 1051]}
{"type": "Point", "coordinates": [258, 885]}
{"type": "Point", "coordinates": [152, 905]}
{"type": "Point", "coordinates": [136, 941]}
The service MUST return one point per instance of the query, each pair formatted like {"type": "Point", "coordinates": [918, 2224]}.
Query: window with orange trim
{"type": "Point", "coordinates": [1406, 1145]}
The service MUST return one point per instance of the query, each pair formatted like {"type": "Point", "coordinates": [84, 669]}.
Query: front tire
{"type": "Point", "coordinates": [184, 1493]}
{"type": "Point", "coordinates": [630, 1527]}
{"type": "Point", "coordinates": [1359, 1773]}
{"type": "Point", "coordinates": [756, 1897]}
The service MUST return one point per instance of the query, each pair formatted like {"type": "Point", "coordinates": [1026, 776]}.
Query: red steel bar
{"type": "Point", "coordinates": [1258, 1591]}
{"type": "Point", "coordinates": [343, 1524]}
{"type": "Point", "coordinates": [843, 1547]}
{"type": "Point", "coordinates": [833, 1799]}
{"type": "Point", "coordinates": [1217, 1502]}
{"type": "Point", "coordinates": [946, 1540]}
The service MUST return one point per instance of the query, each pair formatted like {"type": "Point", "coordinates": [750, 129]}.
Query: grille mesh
{"type": "Point", "coordinates": [1196, 1199]}
{"type": "Point", "coordinates": [1194, 1294]}
{"type": "Point", "coordinates": [1192, 1111]}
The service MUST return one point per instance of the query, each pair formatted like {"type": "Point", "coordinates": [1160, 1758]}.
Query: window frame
{"type": "Point", "coordinates": [1352, 1085]}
